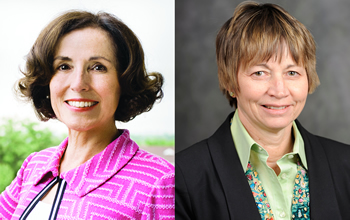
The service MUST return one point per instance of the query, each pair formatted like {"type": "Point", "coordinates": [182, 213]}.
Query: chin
{"type": "Point", "coordinates": [78, 125]}
{"type": "Point", "coordinates": [278, 124]}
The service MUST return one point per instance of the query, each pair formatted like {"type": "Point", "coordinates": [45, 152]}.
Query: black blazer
{"type": "Point", "coordinates": [210, 182]}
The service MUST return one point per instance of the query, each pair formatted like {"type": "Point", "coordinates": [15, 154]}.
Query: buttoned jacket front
{"type": "Point", "coordinates": [121, 182]}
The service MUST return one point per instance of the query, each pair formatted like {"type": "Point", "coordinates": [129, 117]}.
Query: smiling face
{"type": "Point", "coordinates": [272, 94]}
{"type": "Point", "coordinates": [84, 90]}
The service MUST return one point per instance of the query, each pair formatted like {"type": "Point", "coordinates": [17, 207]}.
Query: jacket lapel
{"type": "Point", "coordinates": [323, 202]}
{"type": "Point", "coordinates": [239, 198]}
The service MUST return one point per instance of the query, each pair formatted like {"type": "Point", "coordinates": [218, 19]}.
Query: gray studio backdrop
{"type": "Point", "coordinates": [200, 106]}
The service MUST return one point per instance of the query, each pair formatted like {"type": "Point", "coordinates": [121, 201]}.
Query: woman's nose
{"type": "Point", "coordinates": [278, 87]}
{"type": "Point", "coordinates": [79, 80]}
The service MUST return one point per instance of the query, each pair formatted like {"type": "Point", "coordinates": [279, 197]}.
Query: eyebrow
{"type": "Point", "coordinates": [62, 58]}
{"type": "Point", "coordinates": [266, 66]}
{"type": "Point", "coordinates": [90, 59]}
{"type": "Point", "coordinates": [99, 57]}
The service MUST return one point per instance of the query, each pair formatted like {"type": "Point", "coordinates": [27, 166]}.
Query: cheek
{"type": "Point", "coordinates": [250, 91]}
{"type": "Point", "coordinates": [54, 85]}
{"type": "Point", "coordinates": [111, 92]}
{"type": "Point", "coordinates": [114, 89]}
{"type": "Point", "coordinates": [56, 92]}
{"type": "Point", "coordinates": [300, 91]}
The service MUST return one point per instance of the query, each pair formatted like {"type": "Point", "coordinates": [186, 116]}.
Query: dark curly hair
{"type": "Point", "coordinates": [139, 89]}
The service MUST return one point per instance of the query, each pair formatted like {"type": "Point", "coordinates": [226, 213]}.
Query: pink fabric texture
{"type": "Point", "coordinates": [121, 182]}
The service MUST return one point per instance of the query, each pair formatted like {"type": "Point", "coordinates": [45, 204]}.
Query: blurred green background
{"type": "Point", "coordinates": [18, 139]}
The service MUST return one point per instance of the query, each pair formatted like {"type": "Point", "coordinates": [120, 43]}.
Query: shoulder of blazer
{"type": "Point", "coordinates": [329, 176]}
{"type": "Point", "coordinates": [198, 158]}
{"type": "Point", "coordinates": [216, 158]}
{"type": "Point", "coordinates": [331, 148]}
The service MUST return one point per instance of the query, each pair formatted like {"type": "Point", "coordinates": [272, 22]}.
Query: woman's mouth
{"type": "Point", "coordinates": [81, 104]}
{"type": "Point", "coordinates": [275, 107]}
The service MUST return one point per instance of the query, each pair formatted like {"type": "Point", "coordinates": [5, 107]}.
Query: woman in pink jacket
{"type": "Point", "coordinates": [87, 70]}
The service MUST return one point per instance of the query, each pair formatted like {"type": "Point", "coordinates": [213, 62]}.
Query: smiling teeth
{"type": "Point", "coordinates": [277, 108]}
{"type": "Point", "coordinates": [81, 104]}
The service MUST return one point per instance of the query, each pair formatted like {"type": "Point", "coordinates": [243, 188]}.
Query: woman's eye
{"type": "Point", "coordinates": [258, 73]}
{"type": "Point", "coordinates": [63, 67]}
{"type": "Point", "coordinates": [292, 73]}
{"type": "Point", "coordinates": [99, 67]}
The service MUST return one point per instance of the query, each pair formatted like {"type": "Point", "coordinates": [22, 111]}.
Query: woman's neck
{"type": "Point", "coordinates": [83, 145]}
{"type": "Point", "coordinates": [276, 142]}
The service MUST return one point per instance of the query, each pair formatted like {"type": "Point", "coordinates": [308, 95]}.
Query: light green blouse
{"type": "Point", "coordinates": [279, 189]}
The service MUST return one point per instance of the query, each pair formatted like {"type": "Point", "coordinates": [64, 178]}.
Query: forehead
{"type": "Point", "coordinates": [85, 42]}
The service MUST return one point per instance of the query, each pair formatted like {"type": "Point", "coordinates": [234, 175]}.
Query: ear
{"type": "Point", "coordinates": [232, 94]}
{"type": "Point", "coordinates": [231, 91]}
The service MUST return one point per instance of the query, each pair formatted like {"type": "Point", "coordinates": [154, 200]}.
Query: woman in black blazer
{"type": "Point", "coordinates": [261, 163]}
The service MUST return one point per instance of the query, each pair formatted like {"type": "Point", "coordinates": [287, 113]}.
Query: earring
{"type": "Point", "coordinates": [47, 97]}
{"type": "Point", "coordinates": [232, 94]}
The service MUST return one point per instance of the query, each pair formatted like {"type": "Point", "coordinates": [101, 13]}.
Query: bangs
{"type": "Point", "coordinates": [270, 36]}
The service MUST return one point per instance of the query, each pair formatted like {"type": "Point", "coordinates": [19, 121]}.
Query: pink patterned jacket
{"type": "Point", "coordinates": [121, 182]}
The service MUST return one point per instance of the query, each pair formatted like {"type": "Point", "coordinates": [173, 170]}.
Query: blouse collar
{"type": "Point", "coordinates": [244, 143]}
{"type": "Point", "coordinates": [97, 170]}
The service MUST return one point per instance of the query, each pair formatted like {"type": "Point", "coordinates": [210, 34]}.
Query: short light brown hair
{"type": "Point", "coordinates": [139, 89]}
{"type": "Point", "coordinates": [255, 33]}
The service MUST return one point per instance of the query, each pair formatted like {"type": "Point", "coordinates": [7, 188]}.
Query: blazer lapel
{"type": "Point", "coordinates": [323, 202]}
{"type": "Point", "coordinates": [239, 198]}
